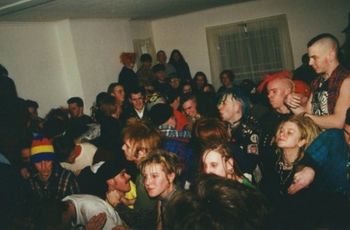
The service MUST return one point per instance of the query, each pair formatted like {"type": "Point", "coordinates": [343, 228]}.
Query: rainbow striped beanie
{"type": "Point", "coordinates": [42, 149]}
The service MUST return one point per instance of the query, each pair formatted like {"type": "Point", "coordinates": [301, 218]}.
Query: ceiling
{"type": "Point", "coordinates": [50, 10]}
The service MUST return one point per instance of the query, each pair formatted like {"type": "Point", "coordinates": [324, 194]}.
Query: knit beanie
{"type": "Point", "coordinates": [160, 113]}
{"type": "Point", "coordinates": [42, 149]}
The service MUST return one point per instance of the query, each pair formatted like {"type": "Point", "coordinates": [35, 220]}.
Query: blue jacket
{"type": "Point", "coordinates": [328, 154]}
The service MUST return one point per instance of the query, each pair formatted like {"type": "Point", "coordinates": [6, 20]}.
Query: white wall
{"type": "Point", "coordinates": [306, 18]}
{"type": "Point", "coordinates": [98, 44]}
{"type": "Point", "coordinates": [30, 53]}
{"type": "Point", "coordinates": [51, 62]}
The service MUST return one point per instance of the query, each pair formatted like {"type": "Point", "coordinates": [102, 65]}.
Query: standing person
{"type": "Point", "coordinates": [117, 91]}
{"type": "Point", "coordinates": [162, 58]}
{"type": "Point", "coordinates": [160, 83]}
{"type": "Point", "coordinates": [330, 96]}
{"type": "Point", "coordinates": [199, 81]}
{"type": "Point", "coordinates": [127, 76]}
{"type": "Point", "coordinates": [144, 73]}
{"type": "Point", "coordinates": [292, 138]}
{"type": "Point", "coordinates": [160, 171]}
{"type": "Point", "coordinates": [181, 66]}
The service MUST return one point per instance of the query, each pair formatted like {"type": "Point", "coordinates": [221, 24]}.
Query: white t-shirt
{"type": "Point", "coordinates": [84, 159]}
{"type": "Point", "coordinates": [88, 206]}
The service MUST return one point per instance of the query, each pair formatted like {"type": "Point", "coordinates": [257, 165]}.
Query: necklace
{"type": "Point", "coordinates": [285, 172]}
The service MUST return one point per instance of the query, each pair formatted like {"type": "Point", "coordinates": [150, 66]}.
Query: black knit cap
{"type": "Point", "coordinates": [160, 113]}
{"type": "Point", "coordinates": [109, 170]}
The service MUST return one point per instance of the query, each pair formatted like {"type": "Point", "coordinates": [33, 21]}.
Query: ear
{"type": "Point", "coordinates": [171, 177]}
{"type": "Point", "coordinates": [141, 154]}
{"type": "Point", "coordinates": [301, 143]}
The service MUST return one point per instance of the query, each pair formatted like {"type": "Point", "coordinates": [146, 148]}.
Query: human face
{"type": "Point", "coordinates": [45, 169]}
{"type": "Point", "coordinates": [276, 93]}
{"type": "Point", "coordinates": [137, 101]}
{"type": "Point", "coordinates": [33, 112]}
{"type": "Point", "coordinates": [161, 57]}
{"type": "Point", "coordinates": [200, 81]}
{"type": "Point", "coordinates": [176, 56]}
{"type": "Point", "coordinates": [230, 109]}
{"type": "Point", "coordinates": [160, 76]}
{"type": "Point", "coordinates": [174, 83]}
{"type": "Point", "coordinates": [120, 182]}
{"type": "Point", "coordinates": [318, 58]}
{"type": "Point", "coordinates": [186, 89]}
{"type": "Point", "coordinates": [119, 93]}
{"type": "Point", "coordinates": [214, 163]}
{"type": "Point", "coordinates": [190, 108]}
{"type": "Point", "coordinates": [129, 149]}
{"type": "Point", "coordinates": [225, 81]}
{"type": "Point", "coordinates": [147, 64]}
{"type": "Point", "coordinates": [288, 136]}
{"type": "Point", "coordinates": [156, 181]}
{"type": "Point", "coordinates": [75, 110]}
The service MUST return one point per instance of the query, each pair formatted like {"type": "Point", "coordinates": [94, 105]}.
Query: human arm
{"type": "Point", "coordinates": [294, 104]}
{"type": "Point", "coordinates": [96, 222]}
{"type": "Point", "coordinates": [302, 179]}
{"type": "Point", "coordinates": [337, 119]}
{"type": "Point", "coordinates": [113, 198]}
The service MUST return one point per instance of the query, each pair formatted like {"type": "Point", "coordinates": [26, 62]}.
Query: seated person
{"type": "Point", "coordinates": [75, 157]}
{"type": "Point", "coordinates": [78, 120]}
{"type": "Point", "coordinates": [217, 203]}
{"type": "Point", "coordinates": [75, 211]}
{"type": "Point", "coordinates": [160, 171]}
{"type": "Point", "coordinates": [50, 181]}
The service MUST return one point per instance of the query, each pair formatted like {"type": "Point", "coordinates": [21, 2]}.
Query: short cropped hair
{"type": "Point", "coordinates": [324, 36]}
{"type": "Point", "coordinates": [187, 97]}
{"type": "Point", "coordinates": [32, 104]}
{"type": "Point", "coordinates": [229, 73]}
{"type": "Point", "coordinates": [76, 100]}
{"type": "Point", "coordinates": [136, 90]}
{"type": "Point", "coordinates": [158, 68]}
{"type": "Point", "coordinates": [112, 86]}
{"type": "Point", "coordinates": [146, 58]}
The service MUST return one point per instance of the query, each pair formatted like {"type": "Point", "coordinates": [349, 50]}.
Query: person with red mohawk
{"type": "Point", "coordinates": [278, 86]}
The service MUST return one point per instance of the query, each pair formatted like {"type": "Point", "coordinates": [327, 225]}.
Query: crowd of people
{"type": "Point", "coordinates": [165, 150]}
